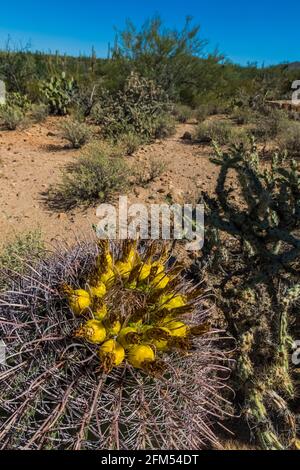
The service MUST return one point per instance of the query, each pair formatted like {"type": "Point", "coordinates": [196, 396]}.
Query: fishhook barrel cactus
{"type": "Point", "coordinates": [108, 348]}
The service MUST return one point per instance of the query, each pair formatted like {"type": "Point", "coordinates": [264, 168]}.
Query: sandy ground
{"type": "Point", "coordinates": [31, 160]}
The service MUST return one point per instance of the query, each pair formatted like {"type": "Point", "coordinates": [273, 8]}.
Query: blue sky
{"type": "Point", "coordinates": [256, 31]}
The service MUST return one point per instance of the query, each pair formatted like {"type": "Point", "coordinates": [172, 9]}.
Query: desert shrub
{"type": "Point", "coordinates": [117, 353]}
{"type": "Point", "coordinates": [218, 131]}
{"type": "Point", "coordinates": [243, 115]}
{"type": "Point", "coordinates": [130, 142]}
{"type": "Point", "coordinates": [14, 255]}
{"type": "Point", "coordinates": [148, 173]}
{"type": "Point", "coordinates": [39, 112]}
{"type": "Point", "coordinates": [17, 100]}
{"type": "Point", "coordinates": [134, 109]}
{"type": "Point", "coordinates": [182, 112]}
{"type": "Point", "coordinates": [203, 132]}
{"type": "Point", "coordinates": [58, 93]}
{"type": "Point", "coordinates": [210, 108]}
{"type": "Point", "coordinates": [251, 253]}
{"type": "Point", "coordinates": [11, 117]}
{"type": "Point", "coordinates": [239, 137]}
{"type": "Point", "coordinates": [86, 97]}
{"type": "Point", "coordinates": [289, 136]}
{"type": "Point", "coordinates": [202, 112]}
{"type": "Point", "coordinates": [77, 133]}
{"type": "Point", "coordinates": [164, 126]}
{"type": "Point", "coordinates": [216, 107]}
{"type": "Point", "coordinates": [267, 126]}
{"type": "Point", "coordinates": [94, 177]}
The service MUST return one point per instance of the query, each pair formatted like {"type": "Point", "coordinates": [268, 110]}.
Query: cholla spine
{"type": "Point", "coordinates": [265, 230]}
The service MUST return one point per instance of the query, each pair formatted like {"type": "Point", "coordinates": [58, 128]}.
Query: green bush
{"type": "Point", "coordinates": [148, 173]}
{"type": "Point", "coordinates": [16, 100]}
{"type": "Point", "coordinates": [217, 107]}
{"type": "Point", "coordinates": [289, 137]}
{"type": "Point", "coordinates": [94, 177]}
{"type": "Point", "coordinates": [202, 112]}
{"type": "Point", "coordinates": [182, 113]}
{"type": "Point", "coordinates": [130, 142]}
{"type": "Point", "coordinates": [239, 137]}
{"type": "Point", "coordinates": [242, 115]}
{"type": "Point", "coordinates": [39, 112]}
{"type": "Point", "coordinates": [164, 126]}
{"type": "Point", "coordinates": [218, 131]}
{"type": "Point", "coordinates": [134, 109]}
{"type": "Point", "coordinates": [11, 117]}
{"type": "Point", "coordinates": [268, 126]}
{"type": "Point", "coordinates": [85, 98]}
{"type": "Point", "coordinates": [77, 133]}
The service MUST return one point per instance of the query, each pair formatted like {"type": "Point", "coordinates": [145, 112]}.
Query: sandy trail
{"type": "Point", "coordinates": [31, 160]}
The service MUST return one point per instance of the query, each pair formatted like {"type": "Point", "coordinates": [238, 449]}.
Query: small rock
{"type": "Point", "coordinates": [187, 136]}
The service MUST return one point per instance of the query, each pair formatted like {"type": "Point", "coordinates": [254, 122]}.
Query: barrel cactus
{"type": "Point", "coordinates": [108, 347]}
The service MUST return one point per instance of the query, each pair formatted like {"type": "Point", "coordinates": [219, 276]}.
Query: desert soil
{"type": "Point", "coordinates": [32, 160]}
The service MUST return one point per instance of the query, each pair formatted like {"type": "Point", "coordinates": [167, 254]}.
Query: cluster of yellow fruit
{"type": "Point", "coordinates": [125, 329]}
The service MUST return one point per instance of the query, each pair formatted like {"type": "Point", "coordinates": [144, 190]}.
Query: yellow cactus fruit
{"type": "Point", "coordinates": [108, 259]}
{"type": "Point", "coordinates": [93, 331]}
{"type": "Point", "coordinates": [132, 285]}
{"type": "Point", "coordinates": [123, 269]}
{"type": "Point", "coordinates": [99, 309]}
{"type": "Point", "coordinates": [98, 291]}
{"type": "Point", "coordinates": [128, 336]}
{"type": "Point", "coordinates": [171, 301]}
{"type": "Point", "coordinates": [107, 277]}
{"type": "Point", "coordinates": [79, 299]}
{"type": "Point", "coordinates": [157, 336]}
{"type": "Point", "coordinates": [160, 281]}
{"type": "Point", "coordinates": [105, 258]}
{"type": "Point", "coordinates": [126, 264]}
{"type": "Point", "coordinates": [159, 267]}
{"type": "Point", "coordinates": [144, 272]}
{"type": "Point", "coordinates": [176, 328]}
{"type": "Point", "coordinates": [139, 355]}
{"type": "Point", "coordinates": [113, 350]}
{"type": "Point", "coordinates": [114, 328]}
{"type": "Point", "coordinates": [131, 257]}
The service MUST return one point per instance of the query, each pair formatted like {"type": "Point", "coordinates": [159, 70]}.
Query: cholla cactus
{"type": "Point", "coordinates": [108, 349]}
{"type": "Point", "coordinates": [136, 109]}
{"type": "Point", "coordinates": [258, 281]}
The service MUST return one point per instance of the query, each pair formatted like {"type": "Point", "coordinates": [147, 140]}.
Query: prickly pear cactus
{"type": "Point", "coordinates": [58, 93]}
{"type": "Point", "coordinates": [108, 348]}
